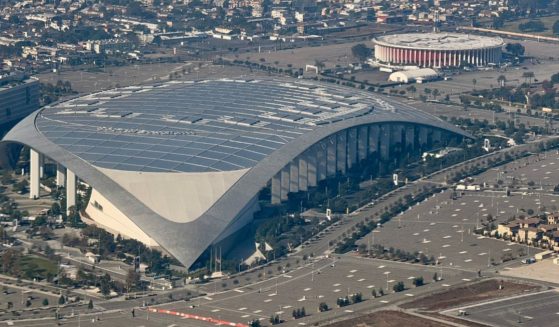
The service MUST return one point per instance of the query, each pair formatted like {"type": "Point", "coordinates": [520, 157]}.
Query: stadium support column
{"type": "Point", "coordinates": [374, 132]}
{"type": "Point", "coordinates": [275, 190]}
{"type": "Point", "coordinates": [362, 138]}
{"type": "Point", "coordinates": [312, 173]}
{"type": "Point", "coordinates": [351, 147]}
{"type": "Point", "coordinates": [70, 190]}
{"type": "Point", "coordinates": [34, 171]}
{"type": "Point", "coordinates": [331, 156]}
{"type": "Point", "coordinates": [284, 190]}
{"type": "Point", "coordinates": [60, 175]}
{"type": "Point", "coordinates": [341, 155]}
{"type": "Point", "coordinates": [41, 167]}
{"type": "Point", "coordinates": [423, 138]}
{"type": "Point", "coordinates": [410, 135]}
{"type": "Point", "coordinates": [303, 177]}
{"type": "Point", "coordinates": [437, 137]}
{"type": "Point", "coordinates": [294, 176]}
{"type": "Point", "coordinates": [321, 161]}
{"type": "Point", "coordinates": [385, 142]}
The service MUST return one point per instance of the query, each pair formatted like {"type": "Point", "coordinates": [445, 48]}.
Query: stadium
{"type": "Point", "coordinates": [180, 165]}
{"type": "Point", "coordinates": [437, 50]}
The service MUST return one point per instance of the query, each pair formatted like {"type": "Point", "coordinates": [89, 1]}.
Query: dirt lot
{"type": "Point", "coordinates": [84, 81]}
{"type": "Point", "coordinates": [388, 319]}
{"type": "Point", "coordinates": [478, 292]}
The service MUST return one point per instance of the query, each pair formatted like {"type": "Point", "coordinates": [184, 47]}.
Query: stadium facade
{"type": "Point", "coordinates": [180, 165]}
{"type": "Point", "coordinates": [437, 50]}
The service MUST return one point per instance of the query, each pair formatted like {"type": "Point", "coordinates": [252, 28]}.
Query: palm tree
{"type": "Point", "coordinates": [474, 82]}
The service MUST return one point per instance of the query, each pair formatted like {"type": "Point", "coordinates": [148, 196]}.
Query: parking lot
{"type": "Point", "coordinates": [330, 279]}
{"type": "Point", "coordinates": [538, 309]}
{"type": "Point", "coordinates": [443, 227]}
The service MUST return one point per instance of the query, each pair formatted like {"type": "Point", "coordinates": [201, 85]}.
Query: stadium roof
{"type": "Point", "coordinates": [217, 125]}
{"type": "Point", "coordinates": [201, 129]}
{"type": "Point", "coordinates": [439, 41]}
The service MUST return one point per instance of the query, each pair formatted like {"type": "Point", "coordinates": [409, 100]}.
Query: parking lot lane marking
{"type": "Point", "coordinates": [242, 309]}
{"type": "Point", "coordinates": [208, 298]}
{"type": "Point", "coordinates": [370, 286]}
{"type": "Point", "coordinates": [337, 284]}
{"type": "Point", "coordinates": [320, 296]}
{"type": "Point", "coordinates": [442, 257]}
{"type": "Point", "coordinates": [257, 311]}
{"type": "Point", "coordinates": [383, 301]}
{"type": "Point", "coordinates": [386, 272]}
{"type": "Point", "coordinates": [353, 271]}
{"type": "Point", "coordinates": [506, 250]}
{"type": "Point", "coordinates": [480, 237]}
{"type": "Point", "coordinates": [409, 294]}
{"type": "Point", "coordinates": [468, 260]}
{"type": "Point", "coordinates": [447, 236]}
{"type": "Point", "coordinates": [216, 310]}
{"type": "Point", "coordinates": [380, 267]}
{"type": "Point", "coordinates": [238, 290]}
{"type": "Point", "coordinates": [446, 245]}
{"type": "Point", "coordinates": [415, 234]}
{"type": "Point", "coordinates": [348, 311]}
{"type": "Point", "coordinates": [425, 230]}
{"type": "Point", "coordinates": [245, 316]}
{"type": "Point", "coordinates": [279, 312]}
{"type": "Point", "coordinates": [288, 276]}
{"type": "Point", "coordinates": [287, 307]}
{"type": "Point", "coordinates": [272, 294]}
{"type": "Point", "coordinates": [336, 290]}
{"type": "Point", "coordinates": [432, 224]}
{"type": "Point", "coordinates": [411, 277]}
{"type": "Point", "coordinates": [307, 289]}
{"type": "Point", "coordinates": [454, 226]}
{"type": "Point", "coordinates": [466, 279]}
{"type": "Point", "coordinates": [391, 281]}
{"type": "Point", "coordinates": [446, 285]}
{"type": "Point", "coordinates": [302, 324]}
{"type": "Point", "coordinates": [267, 300]}
{"type": "Point", "coordinates": [301, 299]}
{"type": "Point", "coordinates": [361, 279]}
{"type": "Point", "coordinates": [349, 276]}
{"type": "Point", "coordinates": [482, 253]}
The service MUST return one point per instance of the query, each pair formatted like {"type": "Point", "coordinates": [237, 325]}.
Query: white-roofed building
{"type": "Point", "coordinates": [414, 76]}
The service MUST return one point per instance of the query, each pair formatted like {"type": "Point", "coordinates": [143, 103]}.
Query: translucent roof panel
{"type": "Point", "coordinates": [204, 126]}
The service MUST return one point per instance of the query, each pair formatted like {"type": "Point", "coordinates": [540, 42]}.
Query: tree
{"type": "Point", "coordinates": [515, 49]}
{"type": "Point", "coordinates": [45, 302]}
{"type": "Point", "coordinates": [322, 307]}
{"type": "Point", "coordinates": [132, 279]}
{"type": "Point", "coordinates": [399, 287]}
{"type": "Point", "coordinates": [532, 26]}
{"type": "Point", "coordinates": [412, 89]}
{"type": "Point", "coordinates": [418, 281]}
{"type": "Point", "coordinates": [436, 93]}
{"type": "Point", "coordinates": [254, 323]}
{"type": "Point", "coordinates": [61, 300]}
{"type": "Point", "coordinates": [105, 284]}
{"type": "Point", "coordinates": [502, 79]}
{"type": "Point", "coordinates": [474, 82]}
{"type": "Point", "coordinates": [374, 293]}
{"type": "Point", "coordinates": [528, 76]}
{"type": "Point", "coordinates": [361, 52]}
{"type": "Point", "coordinates": [90, 304]}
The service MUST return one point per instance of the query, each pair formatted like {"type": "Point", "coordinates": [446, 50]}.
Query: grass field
{"type": "Point", "coordinates": [547, 21]}
{"type": "Point", "coordinates": [38, 266]}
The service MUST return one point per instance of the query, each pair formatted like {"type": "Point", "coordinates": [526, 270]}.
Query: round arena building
{"type": "Point", "coordinates": [437, 49]}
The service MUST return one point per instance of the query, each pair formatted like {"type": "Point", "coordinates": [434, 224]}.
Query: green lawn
{"type": "Point", "coordinates": [37, 266]}
{"type": "Point", "coordinates": [547, 21]}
